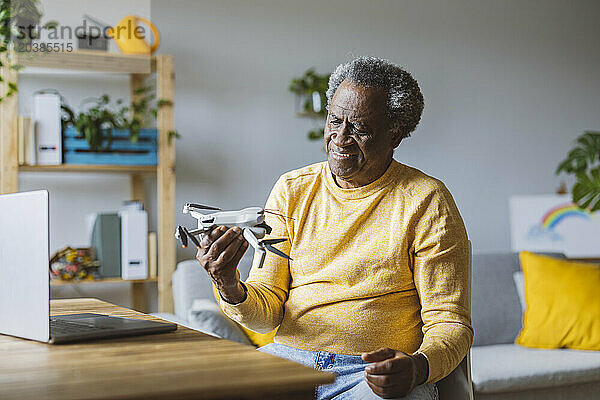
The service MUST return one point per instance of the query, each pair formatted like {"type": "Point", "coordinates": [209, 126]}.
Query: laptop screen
{"type": "Point", "coordinates": [24, 279]}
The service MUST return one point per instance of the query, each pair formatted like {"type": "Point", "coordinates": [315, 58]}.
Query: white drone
{"type": "Point", "coordinates": [251, 220]}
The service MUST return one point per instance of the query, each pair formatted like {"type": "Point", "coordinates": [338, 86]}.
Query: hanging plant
{"type": "Point", "coordinates": [310, 90]}
{"type": "Point", "coordinates": [15, 17]}
{"type": "Point", "coordinates": [583, 161]}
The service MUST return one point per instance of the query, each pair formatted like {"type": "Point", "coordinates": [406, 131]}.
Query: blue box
{"type": "Point", "coordinates": [76, 149]}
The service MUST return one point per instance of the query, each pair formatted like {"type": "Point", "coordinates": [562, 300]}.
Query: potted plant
{"type": "Point", "coordinates": [311, 99]}
{"type": "Point", "coordinates": [97, 123]}
{"type": "Point", "coordinates": [583, 161]}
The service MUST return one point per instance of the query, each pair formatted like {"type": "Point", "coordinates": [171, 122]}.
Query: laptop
{"type": "Point", "coordinates": [25, 281]}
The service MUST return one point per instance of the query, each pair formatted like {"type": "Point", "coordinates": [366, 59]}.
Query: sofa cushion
{"type": "Point", "coordinates": [579, 391]}
{"type": "Point", "coordinates": [495, 308]}
{"type": "Point", "coordinates": [206, 316]}
{"type": "Point", "coordinates": [563, 306]}
{"type": "Point", "coordinates": [191, 282]}
{"type": "Point", "coordinates": [510, 368]}
{"type": "Point", "coordinates": [520, 285]}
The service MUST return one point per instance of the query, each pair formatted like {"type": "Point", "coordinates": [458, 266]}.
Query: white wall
{"type": "Point", "coordinates": [508, 85]}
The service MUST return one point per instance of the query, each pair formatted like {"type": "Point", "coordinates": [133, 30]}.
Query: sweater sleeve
{"type": "Point", "coordinates": [441, 275]}
{"type": "Point", "coordinates": [267, 287]}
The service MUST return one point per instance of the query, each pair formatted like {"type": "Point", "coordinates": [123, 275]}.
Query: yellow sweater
{"type": "Point", "coordinates": [383, 265]}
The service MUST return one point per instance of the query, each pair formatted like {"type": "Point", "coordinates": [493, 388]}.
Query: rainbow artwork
{"type": "Point", "coordinates": [554, 223]}
{"type": "Point", "coordinates": [559, 213]}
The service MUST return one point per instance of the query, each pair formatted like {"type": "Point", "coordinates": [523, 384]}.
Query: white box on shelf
{"type": "Point", "coordinates": [134, 242]}
{"type": "Point", "coordinates": [46, 116]}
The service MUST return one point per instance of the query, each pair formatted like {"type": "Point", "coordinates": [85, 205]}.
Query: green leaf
{"type": "Point", "coordinates": [142, 90]}
{"type": "Point", "coordinates": [310, 82]}
{"type": "Point", "coordinates": [316, 134]}
{"type": "Point", "coordinates": [586, 191]}
{"type": "Point", "coordinates": [51, 25]}
{"type": "Point", "coordinates": [583, 156]}
{"type": "Point", "coordinates": [173, 135]}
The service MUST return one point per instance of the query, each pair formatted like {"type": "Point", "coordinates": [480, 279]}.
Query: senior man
{"type": "Point", "coordinates": [377, 291]}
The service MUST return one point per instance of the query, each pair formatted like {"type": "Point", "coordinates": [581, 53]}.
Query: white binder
{"type": "Point", "coordinates": [48, 140]}
{"type": "Point", "coordinates": [134, 243]}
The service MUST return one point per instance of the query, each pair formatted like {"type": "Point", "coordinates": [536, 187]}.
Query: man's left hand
{"type": "Point", "coordinates": [394, 373]}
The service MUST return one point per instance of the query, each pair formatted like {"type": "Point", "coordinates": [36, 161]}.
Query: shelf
{"type": "Point", "coordinates": [129, 169]}
{"type": "Point", "coordinates": [89, 60]}
{"type": "Point", "coordinates": [136, 68]}
{"type": "Point", "coordinates": [105, 280]}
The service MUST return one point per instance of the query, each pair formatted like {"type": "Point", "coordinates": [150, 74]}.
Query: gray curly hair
{"type": "Point", "coordinates": [405, 100]}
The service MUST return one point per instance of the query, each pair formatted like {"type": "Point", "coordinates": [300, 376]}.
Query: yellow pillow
{"type": "Point", "coordinates": [563, 303]}
{"type": "Point", "coordinates": [257, 339]}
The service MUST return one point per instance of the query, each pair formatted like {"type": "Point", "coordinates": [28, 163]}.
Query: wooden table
{"type": "Point", "coordinates": [183, 364]}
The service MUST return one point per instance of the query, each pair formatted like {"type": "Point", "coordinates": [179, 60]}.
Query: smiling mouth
{"type": "Point", "coordinates": [342, 156]}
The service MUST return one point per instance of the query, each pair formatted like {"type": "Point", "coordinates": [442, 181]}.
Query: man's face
{"type": "Point", "coordinates": [358, 141]}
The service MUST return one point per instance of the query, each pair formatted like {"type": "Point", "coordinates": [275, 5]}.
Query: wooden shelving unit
{"type": "Point", "coordinates": [90, 60]}
{"type": "Point", "coordinates": [139, 68]}
{"type": "Point", "coordinates": [57, 282]}
{"type": "Point", "coordinates": [127, 169]}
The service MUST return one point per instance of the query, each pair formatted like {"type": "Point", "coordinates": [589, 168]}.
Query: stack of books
{"type": "Point", "coordinates": [26, 141]}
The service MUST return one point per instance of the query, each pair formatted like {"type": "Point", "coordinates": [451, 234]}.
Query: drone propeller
{"type": "Point", "coordinates": [261, 245]}
{"type": "Point", "coordinates": [202, 207]}
{"type": "Point", "coordinates": [276, 251]}
{"type": "Point", "coordinates": [272, 241]}
{"type": "Point", "coordinates": [182, 236]}
{"type": "Point", "coordinates": [192, 237]}
{"type": "Point", "coordinates": [268, 244]}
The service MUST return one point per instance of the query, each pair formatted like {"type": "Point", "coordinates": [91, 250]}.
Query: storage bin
{"type": "Point", "coordinates": [76, 150]}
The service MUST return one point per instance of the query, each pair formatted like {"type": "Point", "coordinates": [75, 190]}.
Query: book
{"type": "Point", "coordinates": [29, 142]}
{"type": "Point", "coordinates": [20, 140]}
{"type": "Point", "coordinates": [25, 141]}
{"type": "Point", "coordinates": [106, 239]}
{"type": "Point", "coordinates": [152, 255]}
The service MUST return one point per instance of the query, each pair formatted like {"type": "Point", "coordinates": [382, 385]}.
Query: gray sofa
{"type": "Point", "coordinates": [500, 369]}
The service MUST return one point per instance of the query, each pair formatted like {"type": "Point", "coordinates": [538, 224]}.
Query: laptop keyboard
{"type": "Point", "coordinates": [62, 327]}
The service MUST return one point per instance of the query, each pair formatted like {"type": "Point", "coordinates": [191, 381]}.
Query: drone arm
{"type": "Point", "coordinates": [196, 231]}
{"type": "Point", "coordinates": [251, 238]}
{"type": "Point", "coordinates": [259, 250]}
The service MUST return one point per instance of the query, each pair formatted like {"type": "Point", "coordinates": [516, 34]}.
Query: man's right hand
{"type": "Point", "coordinates": [219, 254]}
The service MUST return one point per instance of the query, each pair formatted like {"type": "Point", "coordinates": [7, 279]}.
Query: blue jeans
{"type": "Point", "coordinates": [350, 370]}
